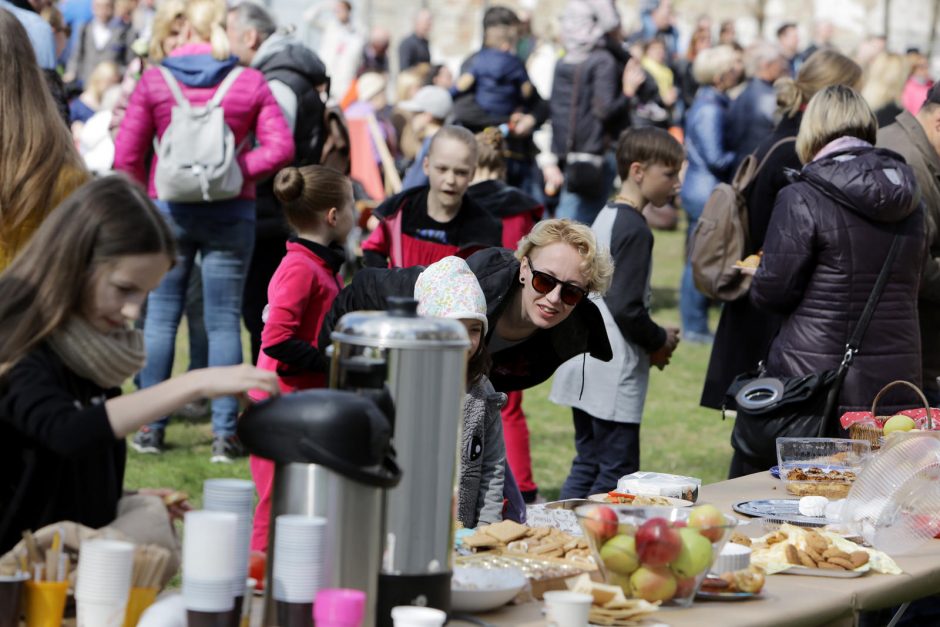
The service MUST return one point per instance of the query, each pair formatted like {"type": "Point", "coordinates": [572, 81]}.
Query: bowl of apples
{"type": "Point", "coordinates": [658, 554]}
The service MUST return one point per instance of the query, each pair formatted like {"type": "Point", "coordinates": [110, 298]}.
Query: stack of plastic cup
{"type": "Point", "coordinates": [298, 567]}
{"type": "Point", "coordinates": [236, 496]}
{"type": "Point", "coordinates": [209, 561]}
{"type": "Point", "coordinates": [104, 582]}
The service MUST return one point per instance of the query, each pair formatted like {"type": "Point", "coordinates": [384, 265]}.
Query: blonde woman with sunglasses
{"type": "Point", "coordinates": [536, 306]}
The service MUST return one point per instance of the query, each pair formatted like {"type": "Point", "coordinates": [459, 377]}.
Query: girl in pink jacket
{"type": "Point", "coordinates": [220, 233]}
{"type": "Point", "coordinates": [318, 205]}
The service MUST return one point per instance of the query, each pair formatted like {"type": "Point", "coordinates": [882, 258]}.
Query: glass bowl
{"type": "Point", "coordinates": [655, 553]}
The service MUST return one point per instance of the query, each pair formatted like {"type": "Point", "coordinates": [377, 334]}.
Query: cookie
{"type": "Point", "coordinates": [846, 564]}
{"type": "Point", "coordinates": [858, 558]}
{"type": "Point", "coordinates": [805, 559]}
{"type": "Point", "coordinates": [814, 555]}
{"type": "Point", "coordinates": [507, 531]}
{"type": "Point", "coordinates": [816, 541]}
{"type": "Point", "coordinates": [828, 566]}
{"type": "Point", "coordinates": [834, 552]}
{"type": "Point", "coordinates": [793, 555]}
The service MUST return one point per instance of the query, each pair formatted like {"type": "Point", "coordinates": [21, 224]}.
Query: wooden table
{"type": "Point", "coordinates": [787, 600]}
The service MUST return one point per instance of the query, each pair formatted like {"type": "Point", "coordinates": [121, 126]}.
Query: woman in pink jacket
{"type": "Point", "coordinates": [222, 232]}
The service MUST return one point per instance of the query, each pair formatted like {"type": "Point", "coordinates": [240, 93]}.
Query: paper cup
{"type": "Point", "coordinates": [413, 616]}
{"type": "Point", "coordinates": [567, 609]}
{"type": "Point", "coordinates": [45, 602]}
{"type": "Point", "coordinates": [11, 599]}
{"type": "Point", "coordinates": [209, 546]}
{"type": "Point", "coordinates": [101, 613]}
{"type": "Point", "coordinates": [732, 557]}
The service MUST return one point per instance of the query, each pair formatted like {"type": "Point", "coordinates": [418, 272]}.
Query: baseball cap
{"type": "Point", "coordinates": [430, 99]}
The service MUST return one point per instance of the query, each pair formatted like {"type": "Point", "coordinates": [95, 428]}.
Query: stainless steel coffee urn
{"type": "Point", "coordinates": [333, 459]}
{"type": "Point", "coordinates": [421, 362]}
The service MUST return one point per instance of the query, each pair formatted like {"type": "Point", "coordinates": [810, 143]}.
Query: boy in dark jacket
{"type": "Point", "coordinates": [608, 410]}
{"type": "Point", "coordinates": [425, 224]}
{"type": "Point", "coordinates": [498, 77]}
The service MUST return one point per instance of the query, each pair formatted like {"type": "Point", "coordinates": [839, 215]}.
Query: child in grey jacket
{"type": "Point", "coordinates": [448, 289]}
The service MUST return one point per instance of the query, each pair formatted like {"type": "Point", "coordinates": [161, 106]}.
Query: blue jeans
{"type": "Point", "coordinates": [584, 208]}
{"type": "Point", "coordinates": [225, 247]}
{"type": "Point", "coordinates": [693, 307]}
{"type": "Point", "coordinates": [606, 451]}
{"type": "Point", "coordinates": [525, 175]}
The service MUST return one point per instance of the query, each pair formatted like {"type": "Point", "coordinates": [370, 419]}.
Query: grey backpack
{"type": "Point", "coordinates": [197, 156]}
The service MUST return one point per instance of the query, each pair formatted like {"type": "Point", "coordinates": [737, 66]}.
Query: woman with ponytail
{"type": "Point", "coordinates": [221, 232]}
{"type": "Point", "coordinates": [744, 334]}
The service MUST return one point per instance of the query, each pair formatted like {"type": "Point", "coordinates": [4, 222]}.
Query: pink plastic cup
{"type": "Point", "coordinates": [339, 607]}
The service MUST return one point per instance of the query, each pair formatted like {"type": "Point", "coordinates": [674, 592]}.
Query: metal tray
{"type": "Point", "coordinates": [779, 510]}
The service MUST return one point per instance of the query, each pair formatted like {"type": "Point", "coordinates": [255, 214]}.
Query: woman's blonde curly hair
{"type": "Point", "coordinates": [596, 264]}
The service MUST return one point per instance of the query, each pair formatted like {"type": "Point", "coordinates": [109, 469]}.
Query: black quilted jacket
{"type": "Point", "coordinates": [828, 238]}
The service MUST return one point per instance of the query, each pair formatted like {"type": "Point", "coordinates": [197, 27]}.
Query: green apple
{"type": "Point", "coordinates": [623, 581]}
{"type": "Point", "coordinates": [899, 423]}
{"type": "Point", "coordinates": [695, 555]}
{"type": "Point", "coordinates": [619, 555]}
{"type": "Point", "coordinates": [709, 520]}
{"type": "Point", "coordinates": [653, 583]}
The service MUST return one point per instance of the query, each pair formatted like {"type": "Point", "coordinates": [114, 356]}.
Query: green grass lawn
{"type": "Point", "coordinates": [677, 435]}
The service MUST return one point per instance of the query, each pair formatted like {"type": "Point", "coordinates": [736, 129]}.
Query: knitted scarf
{"type": "Point", "coordinates": [107, 359]}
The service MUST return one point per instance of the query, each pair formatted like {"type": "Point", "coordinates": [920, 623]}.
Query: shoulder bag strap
{"type": "Point", "coordinates": [760, 166]}
{"type": "Point", "coordinates": [855, 340]}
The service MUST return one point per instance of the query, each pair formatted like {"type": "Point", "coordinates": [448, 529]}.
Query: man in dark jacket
{"type": "Point", "coordinates": [298, 80]}
{"type": "Point", "coordinates": [917, 139]}
{"type": "Point", "coordinates": [415, 49]}
{"type": "Point", "coordinates": [751, 116]}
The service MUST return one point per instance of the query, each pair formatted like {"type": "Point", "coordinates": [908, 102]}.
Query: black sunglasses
{"type": "Point", "coordinates": [543, 283]}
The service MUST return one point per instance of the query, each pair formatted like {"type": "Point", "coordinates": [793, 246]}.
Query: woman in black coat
{"type": "Point", "coordinates": [826, 243]}
{"type": "Point", "coordinates": [744, 333]}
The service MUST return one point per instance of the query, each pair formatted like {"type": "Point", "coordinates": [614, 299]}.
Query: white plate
{"type": "Point", "coordinates": [494, 587]}
{"type": "Point", "coordinates": [822, 572]}
{"type": "Point", "coordinates": [673, 502]}
{"type": "Point", "coordinates": [703, 595]}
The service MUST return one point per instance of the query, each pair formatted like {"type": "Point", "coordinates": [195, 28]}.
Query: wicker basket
{"type": "Point", "coordinates": [875, 434]}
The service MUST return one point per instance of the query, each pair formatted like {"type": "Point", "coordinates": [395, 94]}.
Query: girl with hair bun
{"type": "Point", "coordinates": [220, 232]}
{"type": "Point", "coordinates": [318, 205]}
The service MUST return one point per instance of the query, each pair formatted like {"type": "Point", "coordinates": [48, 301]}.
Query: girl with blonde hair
{"type": "Point", "coordinates": [39, 165]}
{"type": "Point", "coordinates": [221, 232]}
{"type": "Point", "coordinates": [743, 333]}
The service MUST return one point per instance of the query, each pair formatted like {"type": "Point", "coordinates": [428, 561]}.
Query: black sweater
{"type": "Point", "coordinates": [59, 459]}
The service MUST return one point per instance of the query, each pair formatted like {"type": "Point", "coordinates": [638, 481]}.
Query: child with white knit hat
{"type": "Point", "coordinates": [448, 289]}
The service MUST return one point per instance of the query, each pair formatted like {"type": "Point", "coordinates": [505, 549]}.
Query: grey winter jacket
{"type": "Point", "coordinates": [482, 457]}
{"type": "Point", "coordinates": [829, 234]}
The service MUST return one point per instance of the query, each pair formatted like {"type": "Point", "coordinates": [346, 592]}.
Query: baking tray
{"type": "Point", "coordinates": [779, 510]}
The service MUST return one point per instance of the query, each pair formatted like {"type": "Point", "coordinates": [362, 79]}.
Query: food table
{"type": "Point", "coordinates": [787, 600]}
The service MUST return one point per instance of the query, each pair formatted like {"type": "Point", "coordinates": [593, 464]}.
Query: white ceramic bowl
{"type": "Point", "coordinates": [476, 589]}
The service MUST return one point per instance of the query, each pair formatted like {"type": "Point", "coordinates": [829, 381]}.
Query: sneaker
{"type": "Point", "coordinates": [691, 337]}
{"type": "Point", "coordinates": [225, 448]}
{"type": "Point", "coordinates": [148, 441]}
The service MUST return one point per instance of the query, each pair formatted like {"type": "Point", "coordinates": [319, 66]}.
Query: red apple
{"type": "Point", "coordinates": [708, 520]}
{"type": "Point", "coordinates": [653, 583]}
{"type": "Point", "coordinates": [601, 522]}
{"type": "Point", "coordinates": [657, 543]}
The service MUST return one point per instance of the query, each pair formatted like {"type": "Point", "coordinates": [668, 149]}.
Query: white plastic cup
{"type": "Point", "coordinates": [104, 571]}
{"type": "Point", "coordinates": [208, 596]}
{"type": "Point", "coordinates": [100, 613]}
{"type": "Point", "coordinates": [732, 557]}
{"type": "Point", "coordinates": [298, 558]}
{"type": "Point", "coordinates": [209, 547]}
{"type": "Point", "coordinates": [414, 616]}
{"type": "Point", "coordinates": [236, 496]}
{"type": "Point", "coordinates": [567, 609]}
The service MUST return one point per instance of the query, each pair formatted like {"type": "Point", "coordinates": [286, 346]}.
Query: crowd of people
{"type": "Point", "coordinates": [188, 157]}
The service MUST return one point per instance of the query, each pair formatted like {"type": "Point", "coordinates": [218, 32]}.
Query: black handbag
{"type": "Point", "coordinates": [801, 406]}
{"type": "Point", "coordinates": [584, 171]}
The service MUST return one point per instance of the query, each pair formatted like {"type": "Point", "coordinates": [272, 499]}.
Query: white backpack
{"type": "Point", "coordinates": [197, 155]}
